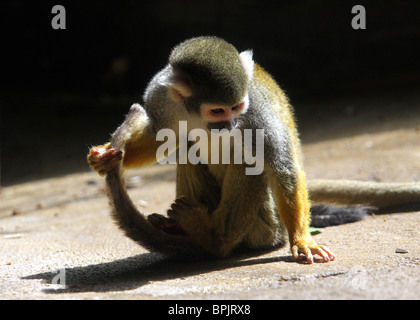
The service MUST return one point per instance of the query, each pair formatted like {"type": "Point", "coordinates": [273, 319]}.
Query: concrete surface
{"type": "Point", "coordinates": [59, 228]}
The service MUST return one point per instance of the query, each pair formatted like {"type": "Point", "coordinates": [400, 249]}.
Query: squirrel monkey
{"type": "Point", "coordinates": [218, 207]}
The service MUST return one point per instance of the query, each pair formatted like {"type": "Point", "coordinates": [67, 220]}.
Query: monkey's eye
{"type": "Point", "coordinates": [237, 106]}
{"type": "Point", "coordinates": [219, 110]}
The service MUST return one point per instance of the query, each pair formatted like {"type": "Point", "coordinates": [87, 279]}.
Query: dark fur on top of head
{"type": "Point", "coordinates": [213, 68]}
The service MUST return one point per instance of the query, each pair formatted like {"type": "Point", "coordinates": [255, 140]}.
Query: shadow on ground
{"type": "Point", "coordinates": [136, 271]}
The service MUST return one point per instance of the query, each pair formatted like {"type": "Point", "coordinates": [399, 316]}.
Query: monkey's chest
{"type": "Point", "coordinates": [213, 155]}
{"type": "Point", "coordinates": [218, 172]}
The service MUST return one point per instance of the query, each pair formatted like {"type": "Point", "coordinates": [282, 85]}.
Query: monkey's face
{"type": "Point", "coordinates": [217, 116]}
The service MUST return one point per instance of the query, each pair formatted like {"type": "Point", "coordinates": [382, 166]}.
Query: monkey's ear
{"type": "Point", "coordinates": [179, 87]}
{"type": "Point", "coordinates": [247, 62]}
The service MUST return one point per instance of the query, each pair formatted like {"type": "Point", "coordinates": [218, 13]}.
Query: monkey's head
{"type": "Point", "coordinates": [210, 78]}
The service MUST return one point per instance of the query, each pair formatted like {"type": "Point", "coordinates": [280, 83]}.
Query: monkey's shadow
{"type": "Point", "coordinates": [136, 271]}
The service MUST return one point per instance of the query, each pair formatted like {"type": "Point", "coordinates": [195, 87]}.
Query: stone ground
{"type": "Point", "coordinates": [60, 227]}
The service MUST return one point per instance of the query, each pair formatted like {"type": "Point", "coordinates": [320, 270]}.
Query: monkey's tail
{"type": "Point", "coordinates": [129, 219]}
{"type": "Point", "coordinates": [138, 228]}
{"type": "Point", "coordinates": [325, 215]}
{"type": "Point", "coordinates": [376, 197]}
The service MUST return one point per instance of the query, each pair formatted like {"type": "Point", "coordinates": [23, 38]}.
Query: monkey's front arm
{"type": "Point", "coordinates": [133, 142]}
{"type": "Point", "coordinates": [294, 209]}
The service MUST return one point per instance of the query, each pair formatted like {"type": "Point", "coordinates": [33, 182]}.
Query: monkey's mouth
{"type": "Point", "coordinates": [229, 125]}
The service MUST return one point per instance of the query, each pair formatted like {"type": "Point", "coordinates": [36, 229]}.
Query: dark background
{"type": "Point", "coordinates": [65, 90]}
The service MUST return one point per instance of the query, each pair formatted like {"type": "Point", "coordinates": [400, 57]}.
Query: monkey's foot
{"type": "Point", "coordinates": [310, 248]}
{"type": "Point", "coordinates": [165, 224]}
{"type": "Point", "coordinates": [103, 160]}
{"type": "Point", "coordinates": [193, 219]}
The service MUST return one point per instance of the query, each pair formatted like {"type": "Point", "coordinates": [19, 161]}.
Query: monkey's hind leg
{"type": "Point", "coordinates": [193, 218]}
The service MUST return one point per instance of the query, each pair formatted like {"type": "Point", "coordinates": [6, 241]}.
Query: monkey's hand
{"type": "Point", "coordinates": [309, 248]}
{"type": "Point", "coordinates": [193, 219]}
{"type": "Point", "coordinates": [103, 159]}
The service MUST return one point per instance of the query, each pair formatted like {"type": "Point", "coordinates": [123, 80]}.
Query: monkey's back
{"type": "Point", "coordinates": [280, 105]}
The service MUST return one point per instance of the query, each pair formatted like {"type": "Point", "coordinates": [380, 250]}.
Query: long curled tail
{"type": "Point", "coordinates": [134, 224]}
{"type": "Point", "coordinates": [137, 227]}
